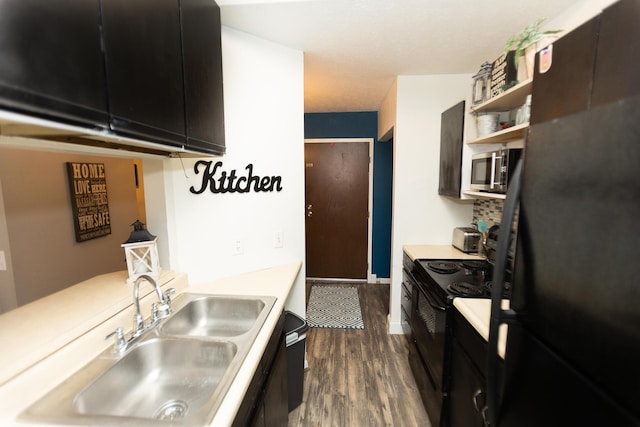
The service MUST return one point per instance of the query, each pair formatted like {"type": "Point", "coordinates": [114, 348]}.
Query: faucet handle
{"type": "Point", "coordinates": [155, 313]}
{"type": "Point", "coordinates": [138, 325]}
{"type": "Point", "coordinates": [167, 295]}
{"type": "Point", "coordinates": [120, 342]}
{"type": "Point", "coordinates": [164, 309]}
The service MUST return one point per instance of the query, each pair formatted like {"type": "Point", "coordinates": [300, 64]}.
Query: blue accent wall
{"type": "Point", "coordinates": [382, 197]}
{"type": "Point", "coordinates": [365, 125]}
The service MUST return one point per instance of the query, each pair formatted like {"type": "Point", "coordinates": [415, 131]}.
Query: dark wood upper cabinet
{"type": "Point", "coordinates": [202, 58]}
{"type": "Point", "coordinates": [566, 87]}
{"type": "Point", "coordinates": [593, 65]}
{"type": "Point", "coordinates": [51, 65]}
{"type": "Point", "coordinates": [143, 57]}
{"type": "Point", "coordinates": [618, 57]}
{"type": "Point", "coordinates": [451, 137]}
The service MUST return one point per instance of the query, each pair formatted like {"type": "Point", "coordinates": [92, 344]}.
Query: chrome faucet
{"type": "Point", "coordinates": [158, 311]}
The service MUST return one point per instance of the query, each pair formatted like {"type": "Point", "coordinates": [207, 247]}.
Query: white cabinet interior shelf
{"type": "Point", "coordinates": [484, 195]}
{"type": "Point", "coordinates": [504, 135]}
{"type": "Point", "coordinates": [506, 101]}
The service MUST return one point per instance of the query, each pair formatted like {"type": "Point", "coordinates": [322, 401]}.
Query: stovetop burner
{"type": "Point", "coordinates": [443, 267]}
{"type": "Point", "coordinates": [474, 264]}
{"type": "Point", "coordinates": [465, 289]}
{"type": "Point", "coordinates": [506, 291]}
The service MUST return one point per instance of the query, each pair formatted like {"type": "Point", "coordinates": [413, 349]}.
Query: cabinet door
{"type": "Point", "coordinates": [467, 396]}
{"type": "Point", "coordinates": [143, 56]}
{"type": "Point", "coordinates": [275, 400]}
{"type": "Point", "coordinates": [203, 75]}
{"type": "Point", "coordinates": [566, 87]}
{"type": "Point", "coordinates": [618, 58]}
{"type": "Point", "coordinates": [451, 136]}
{"type": "Point", "coordinates": [50, 60]}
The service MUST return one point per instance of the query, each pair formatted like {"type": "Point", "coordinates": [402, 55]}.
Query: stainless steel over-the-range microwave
{"type": "Point", "coordinates": [492, 170]}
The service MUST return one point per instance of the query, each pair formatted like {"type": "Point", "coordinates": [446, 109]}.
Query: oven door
{"type": "Point", "coordinates": [427, 354]}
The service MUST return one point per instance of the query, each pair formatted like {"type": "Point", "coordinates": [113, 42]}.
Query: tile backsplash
{"type": "Point", "coordinates": [487, 210]}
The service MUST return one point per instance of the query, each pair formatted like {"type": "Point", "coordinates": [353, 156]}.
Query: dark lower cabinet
{"type": "Point", "coordinates": [266, 402]}
{"type": "Point", "coordinates": [143, 57]}
{"type": "Point", "coordinates": [467, 395]}
{"type": "Point", "coordinates": [51, 64]}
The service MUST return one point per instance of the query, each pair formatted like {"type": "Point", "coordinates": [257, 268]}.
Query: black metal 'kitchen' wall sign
{"type": "Point", "coordinates": [88, 187]}
{"type": "Point", "coordinates": [219, 181]}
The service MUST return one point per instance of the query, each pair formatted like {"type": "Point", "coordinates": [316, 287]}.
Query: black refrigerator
{"type": "Point", "coordinates": [573, 343]}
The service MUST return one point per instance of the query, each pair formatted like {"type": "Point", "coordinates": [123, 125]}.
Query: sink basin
{"type": "Point", "coordinates": [178, 372]}
{"type": "Point", "coordinates": [215, 316]}
{"type": "Point", "coordinates": [162, 379]}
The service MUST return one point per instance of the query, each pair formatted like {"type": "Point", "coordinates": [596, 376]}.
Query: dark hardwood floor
{"type": "Point", "coordinates": [359, 377]}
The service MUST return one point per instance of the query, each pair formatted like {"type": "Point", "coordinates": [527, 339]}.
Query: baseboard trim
{"type": "Point", "coordinates": [395, 328]}
{"type": "Point", "coordinates": [333, 279]}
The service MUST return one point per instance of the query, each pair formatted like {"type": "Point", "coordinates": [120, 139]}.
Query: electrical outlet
{"type": "Point", "coordinates": [278, 241]}
{"type": "Point", "coordinates": [237, 248]}
{"type": "Point", "coordinates": [3, 262]}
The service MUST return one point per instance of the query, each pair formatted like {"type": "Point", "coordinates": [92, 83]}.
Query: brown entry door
{"type": "Point", "coordinates": [337, 200]}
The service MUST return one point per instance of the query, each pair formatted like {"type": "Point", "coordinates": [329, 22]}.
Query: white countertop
{"type": "Point", "coordinates": [478, 312]}
{"type": "Point", "coordinates": [437, 252]}
{"type": "Point", "coordinates": [44, 342]}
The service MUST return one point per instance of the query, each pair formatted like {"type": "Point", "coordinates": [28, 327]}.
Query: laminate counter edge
{"type": "Point", "coordinates": [437, 252]}
{"type": "Point", "coordinates": [478, 312]}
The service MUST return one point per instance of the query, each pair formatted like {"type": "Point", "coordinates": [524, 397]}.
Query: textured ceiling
{"type": "Point", "coordinates": [353, 49]}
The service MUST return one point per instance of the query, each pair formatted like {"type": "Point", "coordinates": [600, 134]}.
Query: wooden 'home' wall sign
{"type": "Point", "coordinates": [88, 188]}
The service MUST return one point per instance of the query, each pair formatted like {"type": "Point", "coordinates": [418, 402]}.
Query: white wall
{"type": "Point", "coordinates": [387, 112]}
{"type": "Point", "coordinates": [264, 123]}
{"type": "Point", "coordinates": [420, 215]}
{"type": "Point", "coordinates": [577, 15]}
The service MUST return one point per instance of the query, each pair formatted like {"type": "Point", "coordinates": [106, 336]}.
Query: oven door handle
{"type": "Point", "coordinates": [431, 302]}
{"type": "Point", "coordinates": [427, 295]}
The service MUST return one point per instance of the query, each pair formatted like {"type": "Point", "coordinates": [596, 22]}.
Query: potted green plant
{"type": "Point", "coordinates": [525, 45]}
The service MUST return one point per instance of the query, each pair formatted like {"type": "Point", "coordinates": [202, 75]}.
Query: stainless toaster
{"type": "Point", "coordinates": [466, 239]}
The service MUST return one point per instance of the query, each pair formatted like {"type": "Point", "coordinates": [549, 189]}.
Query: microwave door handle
{"type": "Point", "coordinates": [493, 170]}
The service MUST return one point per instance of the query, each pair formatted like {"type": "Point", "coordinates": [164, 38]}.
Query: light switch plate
{"type": "Point", "coordinates": [3, 262]}
{"type": "Point", "coordinates": [237, 248]}
{"type": "Point", "coordinates": [278, 240]}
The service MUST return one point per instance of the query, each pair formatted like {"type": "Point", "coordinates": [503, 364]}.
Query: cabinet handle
{"type": "Point", "coordinates": [482, 408]}
{"type": "Point", "coordinates": [484, 412]}
{"type": "Point", "coordinates": [479, 407]}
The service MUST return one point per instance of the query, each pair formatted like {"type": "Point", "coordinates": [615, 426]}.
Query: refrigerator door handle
{"type": "Point", "coordinates": [499, 316]}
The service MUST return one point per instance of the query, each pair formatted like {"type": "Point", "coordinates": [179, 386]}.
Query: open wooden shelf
{"type": "Point", "coordinates": [507, 100]}
{"type": "Point", "coordinates": [504, 135]}
{"type": "Point", "coordinates": [484, 195]}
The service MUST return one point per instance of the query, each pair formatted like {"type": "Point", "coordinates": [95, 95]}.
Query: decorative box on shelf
{"type": "Point", "coordinates": [503, 74]}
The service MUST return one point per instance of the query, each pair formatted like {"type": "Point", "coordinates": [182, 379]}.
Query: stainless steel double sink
{"type": "Point", "coordinates": [178, 373]}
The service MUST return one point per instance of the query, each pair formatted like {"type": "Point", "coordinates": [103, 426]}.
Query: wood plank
{"type": "Point", "coordinates": [359, 377]}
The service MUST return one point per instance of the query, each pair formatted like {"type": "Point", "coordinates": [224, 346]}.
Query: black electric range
{"type": "Point", "coordinates": [448, 279]}
{"type": "Point", "coordinates": [435, 284]}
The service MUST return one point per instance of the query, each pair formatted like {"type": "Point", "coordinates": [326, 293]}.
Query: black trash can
{"type": "Point", "coordinates": [296, 333]}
